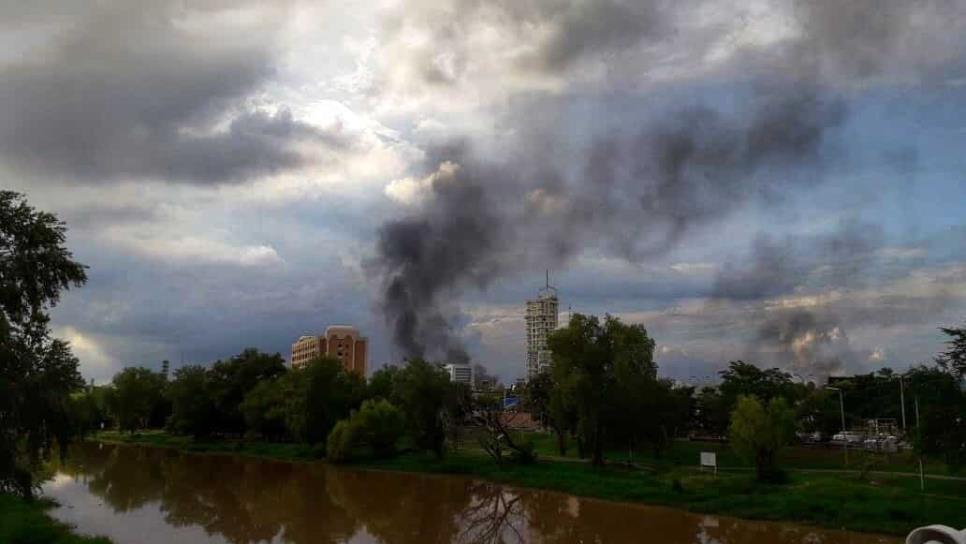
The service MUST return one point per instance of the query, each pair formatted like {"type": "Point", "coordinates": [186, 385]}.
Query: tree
{"type": "Point", "coordinates": [712, 412]}
{"type": "Point", "coordinates": [381, 382]}
{"type": "Point", "coordinates": [536, 396]}
{"type": "Point", "coordinates": [379, 425]}
{"type": "Point", "coordinates": [37, 374]}
{"type": "Point", "coordinates": [192, 404]}
{"type": "Point", "coordinates": [600, 367]}
{"type": "Point", "coordinates": [88, 409]}
{"type": "Point", "coordinates": [341, 440]}
{"type": "Point", "coordinates": [942, 409]}
{"type": "Point", "coordinates": [321, 393]}
{"type": "Point", "coordinates": [231, 380]}
{"type": "Point", "coordinates": [954, 358]}
{"type": "Point", "coordinates": [819, 412]}
{"type": "Point", "coordinates": [264, 407]}
{"type": "Point", "coordinates": [495, 437]}
{"type": "Point", "coordinates": [741, 378]}
{"type": "Point", "coordinates": [421, 390]}
{"type": "Point", "coordinates": [138, 393]}
{"type": "Point", "coordinates": [563, 417]}
{"type": "Point", "coordinates": [759, 431]}
{"type": "Point", "coordinates": [666, 413]}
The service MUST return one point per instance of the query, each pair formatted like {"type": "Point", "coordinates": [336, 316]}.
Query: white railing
{"type": "Point", "coordinates": [936, 534]}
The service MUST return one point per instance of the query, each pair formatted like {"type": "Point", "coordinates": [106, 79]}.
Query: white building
{"type": "Point", "coordinates": [460, 373]}
{"type": "Point", "coordinates": [542, 319]}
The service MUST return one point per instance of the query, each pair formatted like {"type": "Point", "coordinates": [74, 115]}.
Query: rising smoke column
{"type": "Point", "coordinates": [638, 191]}
{"type": "Point", "coordinates": [799, 325]}
{"type": "Point", "coordinates": [453, 241]}
{"type": "Point", "coordinates": [636, 195]}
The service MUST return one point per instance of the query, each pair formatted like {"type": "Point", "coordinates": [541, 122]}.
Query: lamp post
{"type": "Point", "coordinates": [845, 438]}
{"type": "Point", "coordinates": [902, 403]}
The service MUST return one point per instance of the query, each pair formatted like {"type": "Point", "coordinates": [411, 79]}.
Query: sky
{"type": "Point", "coordinates": [775, 181]}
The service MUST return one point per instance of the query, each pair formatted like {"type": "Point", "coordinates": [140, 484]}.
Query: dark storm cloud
{"type": "Point", "coordinates": [833, 283]}
{"type": "Point", "coordinates": [585, 29]}
{"type": "Point", "coordinates": [864, 38]}
{"type": "Point", "coordinates": [805, 342]}
{"type": "Point", "coordinates": [640, 191]}
{"type": "Point", "coordinates": [777, 267]}
{"type": "Point", "coordinates": [805, 338]}
{"type": "Point", "coordinates": [638, 195]}
{"type": "Point", "coordinates": [132, 90]}
{"type": "Point", "coordinates": [644, 194]}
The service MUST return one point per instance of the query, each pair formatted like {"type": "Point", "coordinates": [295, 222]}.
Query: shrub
{"type": "Point", "coordinates": [340, 441]}
{"type": "Point", "coordinates": [380, 425]}
{"type": "Point", "coordinates": [759, 431]}
{"type": "Point", "coordinates": [524, 453]}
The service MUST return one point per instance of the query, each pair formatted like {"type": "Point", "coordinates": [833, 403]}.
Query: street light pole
{"type": "Point", "coordinates": [922, 478]}
{"type": "Point", "coordinates": [845, 438]}
{"type": "Point", "coordinates": [902, 402]}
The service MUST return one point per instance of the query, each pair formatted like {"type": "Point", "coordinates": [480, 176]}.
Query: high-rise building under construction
{"type": "Point", "coordinates": [541, 321]}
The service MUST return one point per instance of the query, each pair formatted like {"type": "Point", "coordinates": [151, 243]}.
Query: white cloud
{"type": "Point", "coordinates": [198, 250]}
{"type": "Point", "coordinates": [94, 360]}
{"type": "Point", "coordinates": [411, 191]}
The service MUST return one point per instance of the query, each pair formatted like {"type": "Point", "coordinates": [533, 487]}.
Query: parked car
{"type": "Point", "coordinates": [849, 437]}
{"type": "Point", "coordinates": [810, 438]}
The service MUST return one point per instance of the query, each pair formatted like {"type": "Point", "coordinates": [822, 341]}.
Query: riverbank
{"type": "Point", "coordinates": [880, 503]}
{"type": "Point", "coordinates": [23, 522]}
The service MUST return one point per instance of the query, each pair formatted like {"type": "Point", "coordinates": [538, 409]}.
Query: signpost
{"type": "Point", "coordinates": [709, 459]}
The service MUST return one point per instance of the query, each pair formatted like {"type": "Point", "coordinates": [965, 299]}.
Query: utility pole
{"type": "Point", "coordinates": [902, 404]}
{"type": "Point", "coordinates": [922, 478]}
{"type": "Point", "coordinates": [845, 438]}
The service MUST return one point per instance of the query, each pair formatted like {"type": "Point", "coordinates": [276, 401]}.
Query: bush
{"type": "Point", "coordinates": [759, 431]}
{"type": "Point", "coordinates": [380, 425]}
{"type": "Point", "coordinates": [377, 424]}
{"type": "Point", "coordinates": [524, 453]}
{"type": "Point", "coordinates": [340, 441]}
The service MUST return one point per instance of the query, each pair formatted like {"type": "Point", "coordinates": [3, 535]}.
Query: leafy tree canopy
{"type": "Point", "coordinates": [760, 430]}
{"type": "Point", "coordinates": [954, 358]}
{"type": "Point", "coordinates": [600, 370]}
{"type": "Point", "coordinates": [37, 373]}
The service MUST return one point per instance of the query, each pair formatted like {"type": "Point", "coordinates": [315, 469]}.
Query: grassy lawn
{"type": "Point", "coordinates": [24, 522]}
{"type": "Point", "coordinates": [269, 450]}
{"type": "Point", "coordinates": [686, 453]}
{"type": "Point", "coordinates": [891, 505]}
{"type": "Point", "coordinates": [881, 503]}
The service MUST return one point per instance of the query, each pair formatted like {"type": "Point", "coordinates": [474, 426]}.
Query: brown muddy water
{"type": "Point", "coordinates": [148, 495]}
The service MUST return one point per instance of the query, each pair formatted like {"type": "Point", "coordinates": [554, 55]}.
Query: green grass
{"type": "Point", "coordinates": [686, 453]}
{"type": "Point", "coordinates": [269, 450]}
{"type": "Point", "coordinates": [882, 503]}
{"type": "Point", "coordinates": [23, 522]}
{"type": "Point", "coordinates": [891, 505]}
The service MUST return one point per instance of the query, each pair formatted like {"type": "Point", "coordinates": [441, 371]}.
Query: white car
{"type": "Point", "coordinates": [850, 437]}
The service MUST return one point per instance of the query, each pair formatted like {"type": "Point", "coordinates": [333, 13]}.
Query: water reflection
{"type": "Point", "coordinates": [135, 494]}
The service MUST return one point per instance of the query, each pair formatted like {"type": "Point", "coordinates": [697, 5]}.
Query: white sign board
{"type": "Point", "coordinates": [709, 459]}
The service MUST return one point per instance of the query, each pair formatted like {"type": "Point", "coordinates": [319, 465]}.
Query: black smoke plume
{"type": "Point", "coordinates": [637, 195]}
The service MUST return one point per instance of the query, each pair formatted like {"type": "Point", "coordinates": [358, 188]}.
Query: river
{"type": "Point", "coordinates": [148, 495]}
